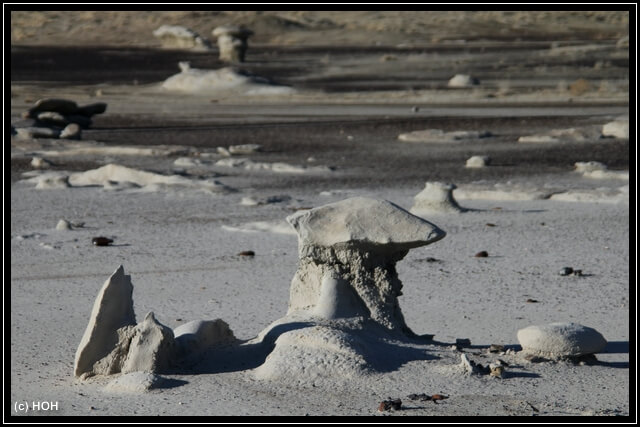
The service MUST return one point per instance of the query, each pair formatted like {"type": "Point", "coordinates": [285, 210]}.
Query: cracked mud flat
{"type": "Point", "coordinates": [350, 106]}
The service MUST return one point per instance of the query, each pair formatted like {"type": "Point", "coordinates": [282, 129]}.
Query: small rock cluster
{"type": "Point", "coordinates": [56, 118]}
{"type": "Point", "coordinates": [494, 369]}
{"type": "Point", "coordinates": [114, 343]}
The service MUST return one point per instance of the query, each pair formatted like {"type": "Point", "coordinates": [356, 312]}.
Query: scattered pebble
{"type": "Point", "coordinates": [587, 359]}
{"type": "Point", "coordinates": [423, 397]}
{"type": "Point", "coordinates": [496, 370]}
{"type": "Point", "coordinates": [472, 367]}
{"type": "Point", "coordinates": [565, 271]}
{"type": "Point", "coordinates": [436, 397]}
{"type": "Point", "coordinates": [568, 271]}
{"type": "Point", "coordinates": [481, 254]}
{"type": "Point", "coordinates": [247, 253]}
{"type": "Point", "coordinates": [387, 405]}
{"type": "Point", "coordinates": [101, 241]}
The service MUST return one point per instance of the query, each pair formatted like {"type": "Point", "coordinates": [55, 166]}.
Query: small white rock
{"type": "Point", "coordinates": [224, 151]}
{"type": "Point", "coordinates": [558, 340]}
{"type": "Point", "coordinates": [244, 148]}
{"type": "Point", "coordinates": [463, 80]}
{"type": "Point", "coordinates": [63, 224]}
{"type": "Point", "coordinates": [478, 162]}
{"type": "Point", "coordinates": [40, 163]}
{"type": "Point", "coordinates": [617, 129]}
{"type": "Point", "coordinates": [71, 131]}
{"type": "Point", "coordinates": [590, 166]}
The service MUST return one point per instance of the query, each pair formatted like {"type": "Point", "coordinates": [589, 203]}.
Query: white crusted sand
{"type": "Point", "coordinates": [225, 80]}
{"type": "Point", "coordinates": [189, 271]}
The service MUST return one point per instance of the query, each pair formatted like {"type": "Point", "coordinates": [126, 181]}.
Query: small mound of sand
{"type": "Point", "coordinates": [97, 149]}
{"type": "Point", "coordinates": [477, 162]}
{"type": "Point", "coordinates": [315, 354]}
{"type": "Point", "coordinates": [280, 227]}
{"type": "Point", "coordinates": [440, 136]}
{"type": "Point", "coordinates": [150, 181]}
{"type": "Point", "coordinates": [135, 382]}
{"type": "Point", "coordinates": [617, 129]}
{"type": "Point", "coordinates": [257, 201]}
{"type": "Point", "coordinates": [225, 80]}
{"type": "Point", "coordinates": [600, 195]}
{"type": "Point", "coordinates": [463, 80]}
{"type": "Point", "coordinates": [50, 181]}
{"type": "Point", "coordinates": [278, 167]}
{"type": "Point", "coordinates": [563, 135]}
{"type": "Point", "coordinates": [501, 192]}
{"type": "Point", "coordinates": [589, 166]}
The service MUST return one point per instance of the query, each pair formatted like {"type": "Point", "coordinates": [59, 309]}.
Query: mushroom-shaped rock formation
{"type": "Point", "coordinates": [436, 198]}
{"type": "Point", "coordinates": [559, 340]}
{"type": "Point", "coordinates": [347, 256]}
{"type": "Point", "coordinates": [232, 42]}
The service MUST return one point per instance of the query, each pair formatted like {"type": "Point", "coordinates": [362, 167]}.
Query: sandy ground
{"type": "Point", "coordinates": [355, 94]}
